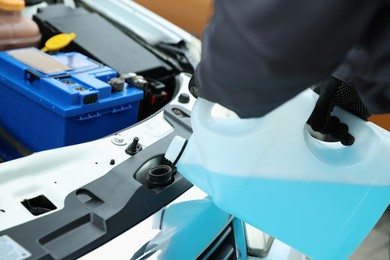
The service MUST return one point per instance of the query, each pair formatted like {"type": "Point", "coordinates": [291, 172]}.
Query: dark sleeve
{"type": "Point", "coordinates": [257, 54]}
{"type": "Point", "coordinates": [354, 63]}
{"type": "Point", "coordinates": [373, 83]}
{"type": "Point", "coordinates": [367, 67]}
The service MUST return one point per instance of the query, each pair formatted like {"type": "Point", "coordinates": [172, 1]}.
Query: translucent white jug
{"type": "Point", "coordinates": [320, 198]}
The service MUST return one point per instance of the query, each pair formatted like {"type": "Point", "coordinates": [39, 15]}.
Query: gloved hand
{"type": "Point", "coordinates": [193, 88]}
{"type": "Point", "coordinates": [333, 92]}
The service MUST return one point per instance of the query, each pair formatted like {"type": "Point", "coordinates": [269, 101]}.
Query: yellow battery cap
{"type": "Point", "coordinates": [11, 5]}
{"type": "Point", "coordinates": [58, 41]}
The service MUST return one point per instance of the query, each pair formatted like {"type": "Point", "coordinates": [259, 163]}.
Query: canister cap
{"type": "Point", "coordinates": [12, 5]}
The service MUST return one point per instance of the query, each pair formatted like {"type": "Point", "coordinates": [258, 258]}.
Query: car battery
{"type": "Point", "coordinates": [50, 101]}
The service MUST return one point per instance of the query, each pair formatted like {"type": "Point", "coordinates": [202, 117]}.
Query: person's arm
{"type": "Point", "coordinates": [258, 54]}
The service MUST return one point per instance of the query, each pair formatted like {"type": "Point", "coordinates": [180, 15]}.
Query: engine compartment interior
{"type": "Point", "coordinates": [133, 63]}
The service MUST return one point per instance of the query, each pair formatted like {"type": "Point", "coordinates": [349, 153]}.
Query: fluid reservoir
{"type": "Point", "coordinates": [15, 30]}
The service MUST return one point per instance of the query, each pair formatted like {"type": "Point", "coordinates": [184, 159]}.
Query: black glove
{"type": "Point", "coordinates": [193, 88]}
{"type": "Point", "coordinates": [333, 92]}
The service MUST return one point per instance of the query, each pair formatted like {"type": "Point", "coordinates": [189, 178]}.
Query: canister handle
{"type": "Point", "coordinates": [286, 125]}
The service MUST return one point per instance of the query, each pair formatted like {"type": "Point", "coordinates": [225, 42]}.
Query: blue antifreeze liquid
{"type": "Point", "coordinates": [322, 220]}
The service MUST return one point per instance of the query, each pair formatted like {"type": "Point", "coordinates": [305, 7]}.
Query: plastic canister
{"type": "Point", "coordinates": [15, 30]}
{"type": "Point", "coordinates": [320, 198]}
